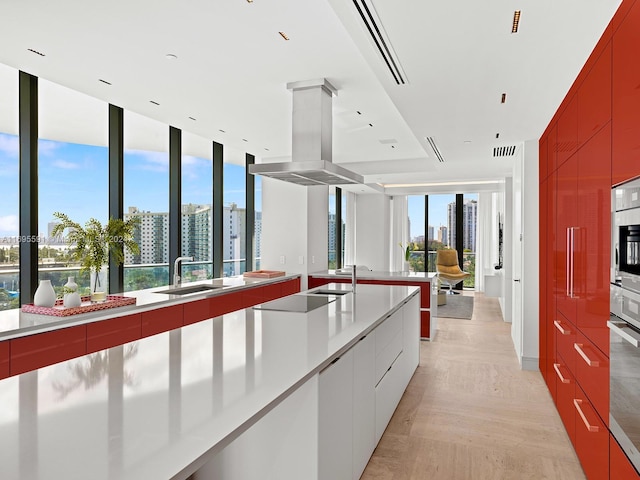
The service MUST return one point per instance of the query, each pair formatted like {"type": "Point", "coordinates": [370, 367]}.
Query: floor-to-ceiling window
{"type": "Point", "coordinates": [441, 222]}
{"type": "Point", "coordinates": [469, 231]}
{"type": "Point", "coordinates": [234, 213]}
{"type": "Point", "coordinates": [146, 194]}
{"type": "Point", "coordinates": [197, 207]}
{"type": "Point", "coordinates": [416, 234]}
{"type": "Point", "coordinates": [73, 160]}
{"type": "Point", "coordinates": [9, 206]}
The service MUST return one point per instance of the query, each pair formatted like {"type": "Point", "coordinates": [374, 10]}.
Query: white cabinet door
{"type": "Point", "coordinates": [411, 341]}
{"type": "Point", "coordinates": [335, 419]}
{"type": "Point", "coordinates": [388, 394]}
{"type": "Point", "coordinates": [364, 403]}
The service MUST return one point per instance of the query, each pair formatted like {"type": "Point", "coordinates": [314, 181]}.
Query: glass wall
{"type": "Point", "coordinates": [146, 194]}
{"type": "Point", "coordinates": [73, 175]}
{"type": "Point", "coordinates": [441, 225]}
{"type": "Point", "coordinates": [332, 254]}
{"type": "Point", "coordinates": [9, 206]}
{"type": "Point", "coordinates": [469, 231]}
{"type": "Point", "coordinates": [197, 207]}
{"type": "Point", "coordinates": [415, 208]}
{"type": "Point", "coordinates": [234, 212]}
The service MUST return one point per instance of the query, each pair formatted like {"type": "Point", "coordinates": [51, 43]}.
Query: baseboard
{"type": "Point", "coordinates": [530, 363]}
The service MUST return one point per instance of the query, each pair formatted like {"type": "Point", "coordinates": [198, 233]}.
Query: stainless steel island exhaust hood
{"type": "Point", "coordinates": [311, 140]}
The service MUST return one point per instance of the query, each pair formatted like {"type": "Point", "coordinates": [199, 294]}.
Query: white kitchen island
{"type": "Point", "coordinates": [251, 394]}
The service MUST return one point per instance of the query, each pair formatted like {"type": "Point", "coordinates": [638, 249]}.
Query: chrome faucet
{"type": "Point", "coordinates": [177, 279]}
{"type": "Point", "coordinates": [353, 278]}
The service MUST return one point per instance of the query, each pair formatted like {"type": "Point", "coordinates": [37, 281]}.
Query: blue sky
{"type": "Point", "coordinates": [73, 179]}
{"type": "Point", "coordinates": [437, 211]}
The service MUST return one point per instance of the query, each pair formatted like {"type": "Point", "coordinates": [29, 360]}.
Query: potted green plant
{"type": "Point", "coordinates": [407, 254]}
{"type": "Point", "coordinates": [92, 244]}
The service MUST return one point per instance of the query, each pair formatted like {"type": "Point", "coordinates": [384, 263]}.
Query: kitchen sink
{"type": "Point", "coordinates": [329, 292]}
{"type": "Point", "coordinates": [187, 290]}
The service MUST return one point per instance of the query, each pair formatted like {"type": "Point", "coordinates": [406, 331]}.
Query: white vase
{"type": "Point", "coordinates": [99, 285]}
{"type": "Point", "coordinates": [406, 267]}
{"type": "Point", "coordinates": [45, 295]}
{"type": "Point", "coordinates": [71, 300]}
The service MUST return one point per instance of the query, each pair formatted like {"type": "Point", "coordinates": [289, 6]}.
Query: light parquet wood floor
{"type": "Point", "coordinates": [471, 413]}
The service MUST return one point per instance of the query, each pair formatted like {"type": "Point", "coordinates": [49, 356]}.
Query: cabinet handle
{"type": "Point", "coordinates": [563, 331]}
{"type": "Point", "coordinates": [568, 266]}
{"type": "Point", "coordinates": [573, 265]}
{"type": "Point", "coordinates": [590, 428]}
{"type": "Point", "coordinates": [556, 367]}
{"type": "Point", "coordinates": [591, 363]}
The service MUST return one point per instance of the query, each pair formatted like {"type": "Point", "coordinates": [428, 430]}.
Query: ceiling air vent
{"type": "Point", "coordinates": [504, 151]}
{"type": "Point", "coordinates": [434, 147]}
{"type": "Point", "coordinates": [376, 31]}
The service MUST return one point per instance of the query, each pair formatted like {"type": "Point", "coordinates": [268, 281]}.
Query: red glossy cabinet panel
{"type": "Point", "coordinates": [566, 336]}
{"type": "Point", "coordinates": [626, 98]}
{"type": "Point", "coordinates": [543, 160]}
{"type": "Point", "coordinates": [566, 231]}
{"type": "Point", "coordinates": [592, 374]}
{"type": "Point", "coordinates": [565, 393]}
{"type": "Point", "coordinates": [550, 292]}
{"type": "Point", "coordinates": [36, 351]}
{"type": "Point", "coordinates": [567, 140]}
{"type": "Point", "coordinates": [425, 324]}
{"type": "Point", "coordinates": [542, 281]}
{"type": "Point", "coordinates": [552, 150]}
{"type": "Point", "coordinates": [116, 331]}
{"type": "Point", "coordinates": [221, 304]}
{"type": "Point", "coordinates": [4, 358]}
{"type": "Point", "coordinates": [314, 282]}
{"type": "Point", "coordinates": [271, 292]}
{"type": "Point", "coordinates": [253, 296]}
{"type": "Point", "coordinates": [293, 286]}
{"type": "Point", "coordinates": [620, 468]}
{"type": "Point", "coordinates": [594, 98]}
{"type": "Point", "coordinates": [592, 439]}
{"type": "Point", "coordinates": [196, 311]}
{"type": "Point", "coordinates": [161, 320]}
{"type": "Point", "coordinates": [592, 249]}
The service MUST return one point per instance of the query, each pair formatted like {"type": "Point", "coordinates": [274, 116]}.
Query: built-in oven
{"type": "Point", "coordinates": [624, 322]}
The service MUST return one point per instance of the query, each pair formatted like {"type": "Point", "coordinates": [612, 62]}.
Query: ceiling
{"type": "Point", "coordinates": [232, 67]}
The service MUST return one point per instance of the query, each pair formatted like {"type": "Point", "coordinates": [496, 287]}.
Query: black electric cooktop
{"type": "Point", "coordinates": [296, 303]}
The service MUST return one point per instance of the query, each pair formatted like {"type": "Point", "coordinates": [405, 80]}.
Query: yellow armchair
{"type": "Point", "coordinates": [448, 269]}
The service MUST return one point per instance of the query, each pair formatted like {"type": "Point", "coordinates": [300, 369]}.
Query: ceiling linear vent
{"type": "Point", "coordinates": [434, 147]}
{"type": "Point", "coordinates": [507, 151]}
{"type": "Point", "coordinates": [382, 42]}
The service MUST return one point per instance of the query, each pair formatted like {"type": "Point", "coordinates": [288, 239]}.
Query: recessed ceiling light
{"type": "Point", "coordinates": [104, 81]}
{"type": "Point", "coordinates": [192, 119]}
{"type": "Point", "coordinates": [245, 140]}
{"type": "Point", "coordinates": [371, 124]}
{"type": "Point", "coordinates": [36, 52]}
{"type": "Point", "coordinates": [497, 135]}
{"type": "Point", "coordinates": [249, 1]}
{"type": "Point", "coordinates": [284, 35]}
{"type": "Point", "coordinates": [220, 130]}
{"type": "Point", "coordinates": [358, 112]}
{"type": "Point", "coordinates": [516, 21]}
{"type": "Point", "coordinates": [170, 56]}
{"type": "Point", "coordinates": [467, 141]}
{"type": "Point", "coordinates": [503, 99]}
{"type": "Point", "coordinates": [155, 103]}
{"type": "Point", "coordinates": [266, 149]}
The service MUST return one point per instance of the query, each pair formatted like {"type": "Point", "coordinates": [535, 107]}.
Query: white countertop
{"type": "Point", "coordinates": [377, 275]}
{"type": "Point", "coordinates": [150, 408]}
{"type": "Point", "coordinates": [15, 323]}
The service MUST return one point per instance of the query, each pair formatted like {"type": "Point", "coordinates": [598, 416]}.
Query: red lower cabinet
{"type": "Point", "coordinates": [117, 331]}
{"type": "Point", "coordinates": [565, 334]}
{"type": "Point", "coordinates": [565, 394]}
{"type": "Point", "coordinates": [592, 374]}
{"type": "Point", "coordinates": [620, 468]}
{"type": "Point", "coordinates": [161, 320]}
{"type": "Point", "coordinates": [221, 304]}
{"type": "Point", "coordinates": [592, 438]}
{"type": "Point", "coordinates": [293, 286]}
{"type": "Point", "coordinates": [4, 359]}
{"type": "Point", "coordinates": [425, 324]}
{"type": "Point", "coordinates": [37, 351]}
{"type": "Point", "coordinates": [196, 311]}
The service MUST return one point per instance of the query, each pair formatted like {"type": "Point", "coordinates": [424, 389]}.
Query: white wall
{"type": "Point", "coordinates": [373, 217]}
{"type": "Point", "coordinates": [294, 226]}
{"type": "Point", "coordinates": [525, 293]}
{"type": "Point", "coordinates": [531, 258]}
{"type": "Point", "coordinates": [506, 300]}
